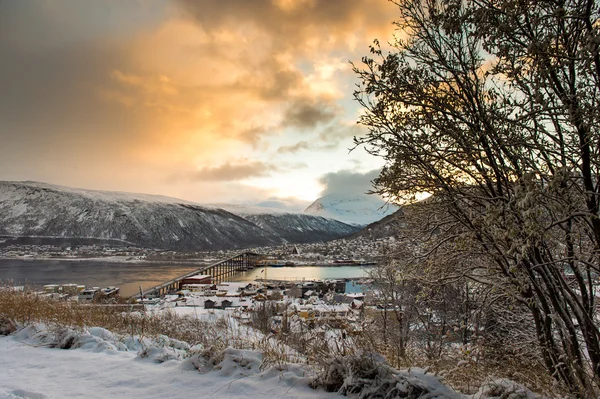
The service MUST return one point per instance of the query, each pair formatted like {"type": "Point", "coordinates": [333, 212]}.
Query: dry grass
{"type": "Point", "coordinates": [310, 346]}
{"type": "Point", "coordinates": [26, 308]}
{"type": "Point", "coordinates": [213, 334]}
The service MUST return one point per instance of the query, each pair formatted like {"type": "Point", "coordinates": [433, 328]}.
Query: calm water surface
{"type": "Point", "coordinates": [129, 276]}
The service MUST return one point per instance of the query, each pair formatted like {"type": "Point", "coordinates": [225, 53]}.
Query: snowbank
{"type": "Point", "coordinates": [100, 364]}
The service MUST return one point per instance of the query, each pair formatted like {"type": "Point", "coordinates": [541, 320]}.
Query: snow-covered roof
{"type": "Point", "coordinates": [200, 301]}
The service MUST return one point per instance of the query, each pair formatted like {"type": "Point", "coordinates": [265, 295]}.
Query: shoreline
{"type": "Point", "coordinates": [119, 259]}
{"type": "Point", "coordinates": [109, 259]}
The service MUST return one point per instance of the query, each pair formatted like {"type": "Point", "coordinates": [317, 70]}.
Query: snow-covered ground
{"type": "Point", "coordinates": [96, 363]}
{"type": "Point", "coordinates": [101, 369]}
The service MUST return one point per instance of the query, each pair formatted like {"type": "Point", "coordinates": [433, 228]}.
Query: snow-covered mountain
{"type": "Point", "coordinates": [292, 227]}
{"type": "Point", "coordinates": [358, 210]}
{"type": "Point", "coordinates": [246, 210]}
{"type": "Point", "coordinates": [32, 209]}
{"type": "Point", "coordinates": [299, 228]}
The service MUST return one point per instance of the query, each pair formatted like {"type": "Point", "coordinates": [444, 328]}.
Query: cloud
{"type": "Point", "coordinates": [123, 95]}
{"type": "Point", "coordinates": [286, 204]}
{"type": "Point", "coordinates": [347, 182]}
{"type": "Point", "coordinates": [231, 172]}
{"type": "Point", "coordinates": [305, 114]}
{"type": "Point", "coordinates": [286, 22]}
{"type": "Point", "coordinates": [341, 132]}
{"type": "Point", "coordinates": [301, 145]}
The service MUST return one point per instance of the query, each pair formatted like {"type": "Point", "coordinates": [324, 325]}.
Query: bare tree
{"type": "Point", "coordinates": [491, 107]}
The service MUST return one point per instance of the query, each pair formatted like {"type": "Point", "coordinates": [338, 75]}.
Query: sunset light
{"type": "Point", "coordinates": [185, 97]}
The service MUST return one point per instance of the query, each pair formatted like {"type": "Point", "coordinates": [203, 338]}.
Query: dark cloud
{"type": "Point", "coordinates": [288, 20]}
{"type": "Point", "coordinates": [125, 92]}
{"type": "Point", "coordinates": [274, 81]}
{"type": "Point", "coordinates": [306, 114]}
{"type": "Point", "coordinates": [302, 28]}
{"type": "Point", "coordinates": [55, 54]}
{"type": "Point", "coordinates": [347, 182]}
{"type": "Point", "coordinates": [231, 172]}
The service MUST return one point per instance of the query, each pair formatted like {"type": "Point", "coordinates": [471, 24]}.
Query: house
{"type": "Point", "coordinates": [309, 293]}
{"type": "Point", "coordinates": [305, 312]}
{"type": "Point", "coordinates": [209, 304]}
{"type": "Point", "coordinates": [226, 304]}
{"type": "Point", "coordinates": [356, 304]}
{"type": "Point", "coordinates": [331, 311]}
{"type": "Point", "coordinates": [260, 297]}
{"type": "Point", "coordinates": [322, 311]}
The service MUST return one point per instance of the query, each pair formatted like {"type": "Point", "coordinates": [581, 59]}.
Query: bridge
{"type": "Point", "coordinates": [218, 271]}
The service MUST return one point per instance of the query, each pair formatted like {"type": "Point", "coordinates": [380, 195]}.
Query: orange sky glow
{"type": "Point", "coordinates": [232, 101]}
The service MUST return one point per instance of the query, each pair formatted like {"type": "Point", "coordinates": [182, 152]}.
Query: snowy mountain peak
{"type": "Point", "coordinates": [358, 209]}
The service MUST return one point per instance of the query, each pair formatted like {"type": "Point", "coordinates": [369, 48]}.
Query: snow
{"type": "Point", "coordinates": [95, 363]}
{"type": "Point", "coordinates": [105, 196]}
{"type": "Point", "coordinates": [245, 210]}
{"type": "Point", "coordinates": [99, 368]}
{"type": "Point", "coordinates": [40, 210]}
{"type": "Point", "coordinates": [353, 209]}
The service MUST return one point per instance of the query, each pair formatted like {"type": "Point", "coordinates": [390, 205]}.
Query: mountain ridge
{"type": "Point", "coordinates": [42, 209]}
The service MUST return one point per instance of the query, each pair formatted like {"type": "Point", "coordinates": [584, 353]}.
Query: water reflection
{"type": "Point", "coordinates": [130, 276]}
{"type": "Point", "coordinates": [91, 273]}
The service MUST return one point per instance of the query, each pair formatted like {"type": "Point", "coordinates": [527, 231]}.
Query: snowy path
{"type": "Point", "coordinates": [39, 373]}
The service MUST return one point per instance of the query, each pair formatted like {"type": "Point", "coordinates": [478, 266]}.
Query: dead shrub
{"type": "Point", "coordinates": [7, 326]}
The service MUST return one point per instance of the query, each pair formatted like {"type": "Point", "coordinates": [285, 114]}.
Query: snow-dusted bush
{"type": "Point", "coordinates": [504, 389]}
{"type": "Point", "coordinates": [367, 375]}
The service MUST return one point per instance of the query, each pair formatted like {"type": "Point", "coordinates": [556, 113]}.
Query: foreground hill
{"type": "Point", "coordinates": [32, 209]}
{"type": "Point", "coordinates": [389, 226]}
{"type": "Point", "coordinates": [359, 210]}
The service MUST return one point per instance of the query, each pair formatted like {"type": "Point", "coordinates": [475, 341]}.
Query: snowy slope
{"type": "Point", "coordinates": [358, 210]}
{"type": "Point", "coordinates": [390, 226]}
{"type": "Point", "coordinates": [103, 368]}
{"type": "Point", "coordinates": [99, 364]}
{"type": "Point", "coordinates": [292, 227]}
{"type": "Point", "coordinates": [244, 210]}
{"type": "Point", "coordinates": [39, 209]}
{"type": "Point", "coordinates": [299, 228]}
{"type": "Point", "coordinates": [31, 209]}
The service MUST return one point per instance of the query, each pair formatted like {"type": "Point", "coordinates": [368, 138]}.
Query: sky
{"type": "Point", "coordinates": [231, 101]}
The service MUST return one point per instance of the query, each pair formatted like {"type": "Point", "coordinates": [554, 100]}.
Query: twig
{"type": "Point", "coordinates": [294, 384]}
{"type": "Point", "coordinates": [229, 383]}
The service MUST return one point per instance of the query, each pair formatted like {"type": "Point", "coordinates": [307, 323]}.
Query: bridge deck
{"type": "Point", "coordinates": [218, 270]}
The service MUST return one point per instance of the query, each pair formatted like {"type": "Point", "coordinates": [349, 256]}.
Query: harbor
{"type": "Point", "coordinates": [130, 276]}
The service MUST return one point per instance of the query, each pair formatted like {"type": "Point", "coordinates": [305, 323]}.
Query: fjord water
{"type": "Point", "coordinates": [129, 276]}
